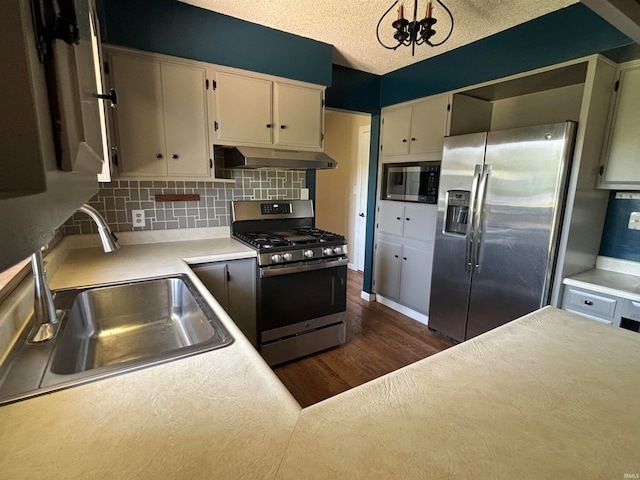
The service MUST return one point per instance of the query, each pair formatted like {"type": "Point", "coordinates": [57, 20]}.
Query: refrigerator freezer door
{"type": "Point", "coordinates": [521, 216]}
{"type": "Point", "coordinates": [450, 282]}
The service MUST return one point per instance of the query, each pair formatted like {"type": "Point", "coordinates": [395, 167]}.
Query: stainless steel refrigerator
{"type": "Point", "coordinates": [500, 207]}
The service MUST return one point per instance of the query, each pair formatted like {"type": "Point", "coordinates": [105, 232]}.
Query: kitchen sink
{"type": "Point", "coordinates": [112, 329]}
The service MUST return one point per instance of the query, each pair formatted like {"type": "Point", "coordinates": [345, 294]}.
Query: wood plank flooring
{"type": "Point", "coordinates": [379, 341]}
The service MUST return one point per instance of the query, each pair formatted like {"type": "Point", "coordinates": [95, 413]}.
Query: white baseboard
{"type": "Point", "coordinates": [352, 266]}
{"type": "Point", "coordinates": [369, 297]}
{"type": "Point", "coordinates": [402, 309]}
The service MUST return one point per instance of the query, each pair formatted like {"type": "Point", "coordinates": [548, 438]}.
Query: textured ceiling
{"type": "Point", "coordinates": [350, 25]}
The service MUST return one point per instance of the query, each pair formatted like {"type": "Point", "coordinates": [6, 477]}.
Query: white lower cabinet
{"type": "Point", "coordinates": [597, 306]}
{"type": "Point", "coordinates": [404, 253]}
{"type": "Point", "coordinates": [233, 285]}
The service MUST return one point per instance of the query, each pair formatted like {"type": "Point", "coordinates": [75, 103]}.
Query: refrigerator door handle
{"type": "Point", "coordinates": [477, 228]}
{"type": "Point", "coordinates": [468, 251]}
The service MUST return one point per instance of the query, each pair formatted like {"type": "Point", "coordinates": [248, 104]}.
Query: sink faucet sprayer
{"type": "Point", "coordinates": [46, 316]}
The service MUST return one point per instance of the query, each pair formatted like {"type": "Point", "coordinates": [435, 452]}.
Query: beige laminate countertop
{"type": "Point", "coordinates": [622, 285]}
{"type": "Point", "coordinates": [550, 395]}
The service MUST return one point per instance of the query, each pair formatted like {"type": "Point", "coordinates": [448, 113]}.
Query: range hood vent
{"type": "Point", "coordinates": [253, 157]}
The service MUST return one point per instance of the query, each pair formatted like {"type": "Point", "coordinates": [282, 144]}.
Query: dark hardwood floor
{"type": "Point", "coordinates": [379, 341]}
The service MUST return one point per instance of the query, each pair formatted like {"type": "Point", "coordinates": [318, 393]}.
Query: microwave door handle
{"type": "Point", "coordinates": [468, 251]}
{"type": "Point", "coordinates": [477, 229]}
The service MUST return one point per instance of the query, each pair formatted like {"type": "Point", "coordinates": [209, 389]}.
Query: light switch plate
{"type": "Point", "coordinates": [138, 218]}
{"type": "Point", "coordinates": [634, 221]}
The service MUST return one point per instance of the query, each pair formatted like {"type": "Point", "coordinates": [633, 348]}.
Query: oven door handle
{"type": "Point", "coordinates": [294, 268]}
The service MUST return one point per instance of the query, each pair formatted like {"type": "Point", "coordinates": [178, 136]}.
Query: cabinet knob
{"type": "Point", "coordinates": [283, 127]}
{"type": "Point", "coordinates": [404, 140]}
{"type": "Point", "coordinates": [413, 139]}
{"type": "Point", "coordinates": [175, 156]}
{"type": "Point", "coordinates": [396, 256]}
{"type": "Point", "coordinates": [404, 258]}
{"type": "Point", "coordinates": [589, 303]}
{"type": "Point", "coordinates": [407, 219]}
{"type": "Point", "coordinates": [398, 218]}
{"type": "Point", "coordinates": [268, 125]}
{"type": "Point", "coordinates": [361, 214]}
{"type": "Point", "coordinates": [158, 155]}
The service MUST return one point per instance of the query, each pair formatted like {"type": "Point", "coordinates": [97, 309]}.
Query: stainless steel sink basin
{"type": "Point", "coordinates": [111, 329]}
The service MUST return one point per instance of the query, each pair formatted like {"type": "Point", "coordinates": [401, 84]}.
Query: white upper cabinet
{"type": "Point", "coordinates": [396, 130]}
{"type": "Point", "coordinates": [161, 119]}
{"type": "Point", "coordinates": [262, 111]}
{"type": "Point", "coordinates": [299, 115]}
{"type": "Point", "coordinates": [621, 160]}
{"type": "Point", "coordinates": [243, 110]}
{"type": "Point", "coordinates": [415, 129]}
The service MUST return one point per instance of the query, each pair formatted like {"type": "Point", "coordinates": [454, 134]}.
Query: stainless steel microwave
{"type": "Point", "coordinates": [411, 182]}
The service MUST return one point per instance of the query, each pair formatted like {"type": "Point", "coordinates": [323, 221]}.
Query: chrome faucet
{"type": "Point", "coordinates": [46, 317]}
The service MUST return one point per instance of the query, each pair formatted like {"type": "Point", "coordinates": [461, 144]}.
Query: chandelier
{"type": "Point", "coordinates": [416, 32]}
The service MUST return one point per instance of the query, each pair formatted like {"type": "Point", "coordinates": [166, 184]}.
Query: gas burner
{"type": "Point", "coordinates": [263, 239]}
{"type": "Point", "coordinates": [320, 235]}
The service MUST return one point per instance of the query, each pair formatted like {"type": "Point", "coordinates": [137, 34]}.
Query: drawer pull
{"type": "Point", "coordinates": [588, 303]}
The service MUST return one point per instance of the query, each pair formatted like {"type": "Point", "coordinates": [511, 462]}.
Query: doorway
{"type": "Point", "coordinates": [364, 142]}
{"type": "Point", "coordinates": [341, 193]}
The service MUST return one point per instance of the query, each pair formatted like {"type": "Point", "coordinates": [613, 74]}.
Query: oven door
{"type": "Point", "coordinates": [300, 293]}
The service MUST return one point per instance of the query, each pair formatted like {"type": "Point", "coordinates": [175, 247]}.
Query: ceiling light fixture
{"type": "Point", "coordinates": [415, 32]}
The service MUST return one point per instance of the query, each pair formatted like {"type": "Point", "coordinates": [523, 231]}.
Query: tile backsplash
{"type": "Point", "coordinates": [116, 200]}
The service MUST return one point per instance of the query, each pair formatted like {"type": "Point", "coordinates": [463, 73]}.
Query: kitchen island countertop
{"type": "Point", "coordinates": [550, 395]}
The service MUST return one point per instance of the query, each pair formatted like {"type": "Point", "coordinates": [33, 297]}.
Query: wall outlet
{"type": "Point", "coordinates": [634, 221]}
{"type": "Point", "coordinates": [138, 218]}
{"type": "Point", "coordinates": [304, 194]}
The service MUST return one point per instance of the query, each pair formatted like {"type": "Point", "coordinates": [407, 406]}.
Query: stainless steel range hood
{"type": "Point", "coordinates": [253, 157]}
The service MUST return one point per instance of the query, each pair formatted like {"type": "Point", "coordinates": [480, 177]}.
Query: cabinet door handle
{"type": "Point", "coordinates": [158, 155]}
{"type": "Point", "coordinates": [268, 125]}
{"type": "Point", "coordinates": [589, 303]}
{"type": "Point", "coordinates": [175, 156]}
{"type": "Point", "coordinates": [398, 218]}
{"type": "Point", "coordinates": [404, 140]}
{"type": "Point", "coordinates": [413, 139]}
{"type": "Point", "coordinates": [407, 219]}
{"type": "Point", "coordinates": [404, 258]}
{"type": "Point", "coordinates": [283, 127]}
{"type": "Point", "coordinates": [396, 256]}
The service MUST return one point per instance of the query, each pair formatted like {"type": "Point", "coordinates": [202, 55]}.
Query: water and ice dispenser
{"type": "Point", "coordinates": [457, 212]}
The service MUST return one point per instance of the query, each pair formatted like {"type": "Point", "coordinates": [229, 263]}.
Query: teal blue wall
{"type": "Point", "coordinates": [617, 240]}
{"type": "Point", "coordinates": [563, 35]}
{"type": "Point", "coordinates": [175, 28]}
{"type": "Point", "coordinates": [353, 90]}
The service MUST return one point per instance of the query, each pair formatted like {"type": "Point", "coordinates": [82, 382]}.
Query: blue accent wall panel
{"type": "Point", "coordinates": [569, 33]}
{"type": "Point", "coordinates": [617, 240]}
{"type": "Point", "coordinates": [354, 90]}
{"type": "Point", "coordinates": [175, 28]}
{"type": "Point", "coordinates": [372, 193]}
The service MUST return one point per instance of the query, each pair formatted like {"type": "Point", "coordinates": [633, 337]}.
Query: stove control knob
{"type": "Point", "coordinates": [327, 251]}
{"type": "Point", "coordinates": [287, 257]}
{"type": "Point", "coordinates": [308, 254]}
{"type": "Point", "coordinates": [275, 258]}
{"type": "Point", "coordinates": [337, 250]}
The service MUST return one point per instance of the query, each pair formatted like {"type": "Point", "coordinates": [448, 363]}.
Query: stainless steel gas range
{"type": "Point", "coordinates": [301, 277]}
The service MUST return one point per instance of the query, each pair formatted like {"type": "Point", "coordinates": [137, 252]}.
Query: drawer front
{"type": "Point", "coordinates": [589, 303]}
{"type": "Point", "coordinates": [631, 309]}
